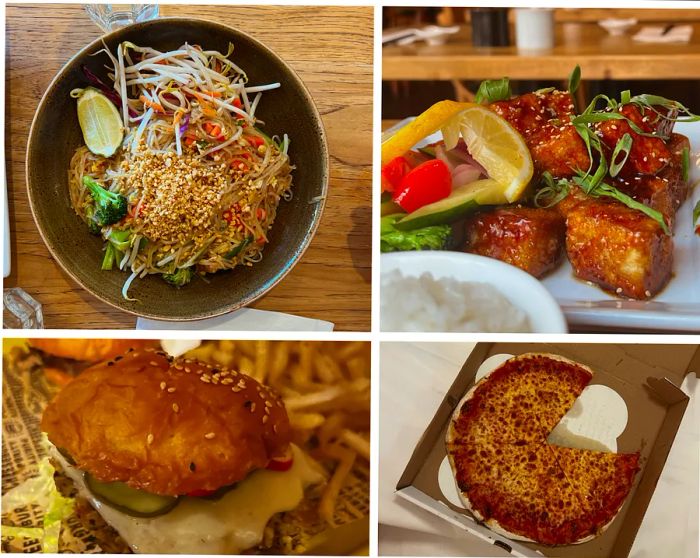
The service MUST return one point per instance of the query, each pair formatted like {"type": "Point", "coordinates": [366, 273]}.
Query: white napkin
{"type": "Point", "coordinates": [245, 319]}
{"type": "Point", "coordinates": [655, 34]}
{"type": "Point", "coordinates": [415, 378]}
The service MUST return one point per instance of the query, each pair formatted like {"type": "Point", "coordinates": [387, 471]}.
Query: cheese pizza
{"type": "Point", "coordinates": [511, 478]}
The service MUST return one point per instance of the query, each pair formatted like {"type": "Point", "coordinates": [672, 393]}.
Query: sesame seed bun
{"type": "Point", "coordinates": [167, 426]}
{"type": "Point", "coordinates": [88, 350]}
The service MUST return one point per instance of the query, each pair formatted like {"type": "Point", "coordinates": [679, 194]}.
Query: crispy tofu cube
{"type": "Point", "coordinates": [648, 155]}
{"type": "Point", "coordinates": [544, 121]}
{"type": "Point", "coordinates": [665, 191]}
{"type": "Point", "coordinates": [618, 248]}
{"type": "Point", "coordinates": [529, 238]}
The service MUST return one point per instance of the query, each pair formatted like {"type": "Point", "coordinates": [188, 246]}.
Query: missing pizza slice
{"type": "Point", "coordinates": [511, 478]}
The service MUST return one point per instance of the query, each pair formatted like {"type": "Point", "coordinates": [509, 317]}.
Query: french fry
{"type": "Point", "coordinates": [279, 361]}
{"type": "Point", "coordinates": [327, 369]}
{"type": "Point", "coordinates": [306, 421]}
{"type": "Point", "coordinates": [346, 460]}
{"type": "Point", "coordinates": [356, 442]}
{"type": "Point", "coordinates": [357, 368]}
{"type": "Point", "coordinates": [349, 350]}
{"type": "Point", "coordinates": [261, 360]}
{"type": "Point", "coordinates": [310, 400]}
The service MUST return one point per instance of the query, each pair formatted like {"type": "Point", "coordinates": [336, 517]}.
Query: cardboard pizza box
{"type": "Point", "coordinates": [646, 377]}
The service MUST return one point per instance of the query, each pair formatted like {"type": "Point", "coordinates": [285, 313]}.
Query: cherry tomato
{"type": "Point", "coordinates": [427, 183]}
{"type": "Point", "coordinates": [393, 172]}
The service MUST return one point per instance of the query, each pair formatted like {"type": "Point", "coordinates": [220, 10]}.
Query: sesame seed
{"type": "Point", "coordinates": [206, 379]}
{"type": "Point", "coordinates": [162, 385]}
{"type": "Point", "coordinates": [118, 358]}
{"type": "Point", "coordinates": [647, 293]}
{"type": "Point", "coordinates": [252, 408]}
{"type": "Point", "coordinates": [268, 404]}
{"type": "Point", "coordinates": [176, 407]}
{"type": "Point", "coordinates": [171, 390]}
{"type": "Point", "coordinates": [153, 363]}
{"type": "Point", "coordinates": [267, 410]}
{"type": "Point", "coordinates": [209, 435]}
{"type": "Point", "coordinates": [235, 389]}
{"type": "Point", "coordinates": [274, 428]}
{"type": "Point", "coordinates": [149, 439]}
{"type": "Point", "coordinates": [264, 419]}
{"type": "Point", "coordinates": [241, 383]}
{"type": "Point", "coordinates": [226, 381]}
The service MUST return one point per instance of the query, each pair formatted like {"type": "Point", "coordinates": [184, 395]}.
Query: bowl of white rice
{"type": "Point", "coordinates": [456, 292]}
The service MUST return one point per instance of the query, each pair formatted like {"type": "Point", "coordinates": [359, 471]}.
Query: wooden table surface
{"type": "Point", "coordinates": [331, 50]}
{"type": "Point", "coordinates": [600, 55]}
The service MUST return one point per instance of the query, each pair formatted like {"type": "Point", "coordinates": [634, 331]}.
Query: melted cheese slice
{"type": "Point", "coordinates": [198, 526]}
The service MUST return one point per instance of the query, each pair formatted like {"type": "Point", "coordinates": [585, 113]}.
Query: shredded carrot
{"type": "Point", "coordinates": [237, 103]}
{"type": "Point", "coordinates": [215, 94]}
{"type": "Point", "coordinates": [157, 107]}
{"type": "Point", "coordinates": [206, 107]}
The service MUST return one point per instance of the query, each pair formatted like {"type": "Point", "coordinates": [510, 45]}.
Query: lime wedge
{"type": "Point", "coordinates": [100, 122]}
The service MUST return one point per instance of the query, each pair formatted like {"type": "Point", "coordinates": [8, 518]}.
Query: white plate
{"type": "Point", "coordinates": [676, 308]}
{"type": "Point", "coordinates": [520, 288]}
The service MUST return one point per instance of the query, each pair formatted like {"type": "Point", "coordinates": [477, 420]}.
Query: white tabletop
{"type": "Point", "coordinates": [414, 379]}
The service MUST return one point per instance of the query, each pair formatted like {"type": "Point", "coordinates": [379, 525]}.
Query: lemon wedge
{"type": "Point", "coordinates": [421, 127]}
{"type": "Point", "coordinates": [495, 145]}
{"type": "Point", "coordinates": [100, 122]}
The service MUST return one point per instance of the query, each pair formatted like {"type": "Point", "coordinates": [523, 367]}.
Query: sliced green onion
{"type": "Point", "coordinates": [696, 213]}
{"type": "Point", "coordinates": [686, 164]}
{"type": "Point", "coordinates": [492, 90]}
{"type": "Point", "coordinates": [623, 146]}
{"type": "Point", "coordinates": [574, 79]}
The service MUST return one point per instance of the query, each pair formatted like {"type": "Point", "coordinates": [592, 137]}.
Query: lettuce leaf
{"type": "Point", "coordinates": [41, 491]}
{"type": "Point", "coordinates": [427, 238]}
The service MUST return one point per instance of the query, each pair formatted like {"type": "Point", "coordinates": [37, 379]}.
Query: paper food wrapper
{"type": "Point", "coordinates": [26, 392]}
{"type": "Point", "coordinates": [245, 319]}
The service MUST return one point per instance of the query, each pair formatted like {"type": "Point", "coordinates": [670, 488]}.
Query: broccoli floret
{"type": "Point", "coordinates": [181, 277]}
{"type": "Point", "coordinates": [110, 207]}
{"type": "Point", "coordinates": [93, 227]}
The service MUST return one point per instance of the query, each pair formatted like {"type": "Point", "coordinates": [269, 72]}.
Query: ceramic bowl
{"type": "Point", "coordinates": [55, 134]}
{"type": "Point", "coordinates": [520, 288]}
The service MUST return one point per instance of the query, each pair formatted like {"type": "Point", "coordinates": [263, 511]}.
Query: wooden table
{"type": "Point", "coordinates": [329, 47]}
{"type": "Point", "coordinates": [600, 55]}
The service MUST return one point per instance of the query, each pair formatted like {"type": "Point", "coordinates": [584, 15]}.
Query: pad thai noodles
{"type": "Point", "coordinates": [195, 184]}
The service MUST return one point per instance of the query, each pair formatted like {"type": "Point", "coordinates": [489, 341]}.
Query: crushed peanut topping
{"type": "Point", "coordinates": [181, 195]}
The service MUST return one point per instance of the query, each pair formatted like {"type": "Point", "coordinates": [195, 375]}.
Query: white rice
{"type": "Point", "coordinates": [440, 305]}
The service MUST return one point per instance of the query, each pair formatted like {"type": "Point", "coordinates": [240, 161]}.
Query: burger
{"type": "Point", "coordinates": [178, 456]}
{"type": "Point", "coordinates": [63, 359]}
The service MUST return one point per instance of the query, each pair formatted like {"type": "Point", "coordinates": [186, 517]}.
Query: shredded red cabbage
{"type": "Point", "coordinates": [185, 124]}
{"type": "Point", "coordinates": [108, 91]}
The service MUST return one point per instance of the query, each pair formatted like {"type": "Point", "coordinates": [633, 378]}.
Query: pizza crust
{"type": "Point", "coordinates": [450, 436]}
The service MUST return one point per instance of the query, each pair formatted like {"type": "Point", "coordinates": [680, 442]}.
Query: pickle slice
{"type": "Point", "coordinates": [129, 500]}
